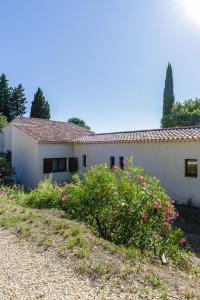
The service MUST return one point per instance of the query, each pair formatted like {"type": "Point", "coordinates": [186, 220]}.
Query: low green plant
{"type": "Point", "coordinates": [154, 281]}
{"type": "Point", "coordinates": [46, 195]}
{"type": "Point", "coordinates": [6, 169]}
{"type": "Point", "coordinates": [125, 207]}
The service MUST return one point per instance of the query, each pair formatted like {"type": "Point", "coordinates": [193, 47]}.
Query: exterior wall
{"type": "Point", "coordinates": [1, 143]}
{"type": "Point", "coordinates": [166, 161]}
{"type": "Point", "coordinates": [28, 155]}
{"type": "Point", "coordinates": [7, 137]}
{"type": "Point", "coordinates": [54, 151]}
{"type": "Point", "coordinates": [24, 158]}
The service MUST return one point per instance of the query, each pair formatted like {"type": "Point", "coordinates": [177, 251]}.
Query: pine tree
{"type": "Point", "coordinates": [5, 92]}
{"type": "Point", "coordinates": [168, 97]}
{"type": "Point", "coordinates": [17, 102]}
{"type": "Point", "coordinates": [40, 107]}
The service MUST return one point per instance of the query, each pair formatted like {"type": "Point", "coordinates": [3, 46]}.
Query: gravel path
{"type": "Point", "coordinates": [28, 274]}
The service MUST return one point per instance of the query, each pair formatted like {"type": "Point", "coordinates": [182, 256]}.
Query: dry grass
{"type": "Point", "coordinates": [107, 265]}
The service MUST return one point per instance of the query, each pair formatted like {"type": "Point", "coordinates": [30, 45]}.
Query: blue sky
{"type": "Point", "coordinates": [103, 61]}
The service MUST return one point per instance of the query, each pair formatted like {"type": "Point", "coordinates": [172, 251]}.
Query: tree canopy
{"type": "Point", "coordinates": [78, 122]}
{"type": "Point", "coordinates": [3, 122]}
{"type": "Point", "coordinates": [18, 102]}
{"type": "Point", "coordinates": [40, 107]}
{"type": "Point", "coordinates": [185, 114]}
{"type": "Point", "coordinates": [12, 100]}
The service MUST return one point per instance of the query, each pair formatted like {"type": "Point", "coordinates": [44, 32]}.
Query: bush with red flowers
{"type": "Point", "coordinates": [125, 207]}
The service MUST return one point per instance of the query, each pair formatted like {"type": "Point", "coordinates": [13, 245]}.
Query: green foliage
{"type": "Point", "coordinates": [78, 122]}
{"type": "Point", "coordinates": [12, 100]}
{"type": "Point", "coordinates": [126, 208]}
{"type": "Point", "coordinates": [18, 102]}
{"type": "Point", "coordinates": [5, 166]}
{"type": "Point", "coordinates": [154, 281]}
{"type": "Point", "coordinates": [46, 195]}
{"type": "Point", "coordinates": [40, 107]}
{"type": "Point", "coordinates": [168, 97]}
{"type": "Point", "coordinates": [3, 122]}
{"type": "Point", "coordinates": [185, 114]}
{"type": "Point", "coordinates": [5, 92]}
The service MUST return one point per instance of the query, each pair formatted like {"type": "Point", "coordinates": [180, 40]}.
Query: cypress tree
{"type": "Point", "coordinates": [168, 97]}
{"type": "Point", "coordinates": [5, 93]}
{"type": "Point", "coordinates": [17, 102]}
{"type": "Point", "coordinates": [40, 107]}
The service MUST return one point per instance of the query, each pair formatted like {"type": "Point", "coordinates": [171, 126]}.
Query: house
{"type": "Point", "coordinates": [40, 147]}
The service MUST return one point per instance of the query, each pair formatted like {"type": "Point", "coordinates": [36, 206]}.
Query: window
{"type": "Point", "coordinates": [54, 165]}
{"type": "Point", "coordinates": [191, 167]}
{"type": "Point", "coordinates": [84, 160]}
{"type": "Point", "coordinates": [121, 162]}
{"type": "Point", "coordinates": [73, 164]}
{"type": "Point", "coordinates": [112, 161]}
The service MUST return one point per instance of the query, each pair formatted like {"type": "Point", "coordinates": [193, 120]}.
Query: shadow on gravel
{"type": "Point", "coordinates": [189, 221]}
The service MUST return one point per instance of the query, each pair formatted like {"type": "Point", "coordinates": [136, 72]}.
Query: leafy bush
{"type": "Point", "coordinates": [46, 195]}
{"type": "Point", "coordinates": [126, 208]}
{"type": "Point", "coordinates": [3, 122]}
{"type": "Point", "coordinates": [5, 166]}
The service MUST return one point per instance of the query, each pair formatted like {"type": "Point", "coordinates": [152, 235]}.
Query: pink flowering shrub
{"type": "Point", "coordinates": [126, 208]}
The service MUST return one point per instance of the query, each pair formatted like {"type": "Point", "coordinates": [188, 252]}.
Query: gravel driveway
{"type": "Point", "coordinates": [28, 274]}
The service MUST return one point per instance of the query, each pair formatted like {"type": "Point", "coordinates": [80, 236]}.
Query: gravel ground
{"type": "Point", "coordinates": [29, 274]}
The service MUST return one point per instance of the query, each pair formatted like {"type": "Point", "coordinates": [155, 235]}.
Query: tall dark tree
{"type": "Point", "coordinates": [168, 97]}
{"type": "Point", "coordinates": [40, 107]}
{"type": "Point", "coordinates": [17, 102]}
{"type": "Point", "coordinates": [78, 122]}
{"type": "Point", "coordinates": [5, 93]}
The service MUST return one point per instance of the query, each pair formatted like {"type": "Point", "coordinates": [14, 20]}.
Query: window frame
{"type": "Point", "coordinates": [121, 162]}
{"type": "Point", "coordinates": [112, 161]}
{"type": "Point", "coordinates": [187, 173]}
{"type": "Point", "coordinates": [71, 161]}
{"type": "Point", "coordinates": [84, 160]}
{"type": "Point", "coordinates": [57, 165]}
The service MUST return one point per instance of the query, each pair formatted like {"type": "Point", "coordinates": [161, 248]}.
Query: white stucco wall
{"type": "Point", "coordinates": [24, 158]}
{"type": "Point", "coordinates": [54, 151]}
{"type": "Point", "coordinates": [28, 155]}
{"type": "Point", "coordinates": [7, 137]}
{"type": "Point", "coordinates": [163, 160]}
{"type": "Point", "coordinates": [1, 143]}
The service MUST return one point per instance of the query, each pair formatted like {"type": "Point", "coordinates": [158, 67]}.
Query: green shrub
{"type": "Point", "coordinates": [46, 195]}
{"type": "Point", "coordinates": [5, 166]}
{"type": "Point", "coordinates": [126, 208]}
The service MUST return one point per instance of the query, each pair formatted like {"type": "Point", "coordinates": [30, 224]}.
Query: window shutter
{"type": "Point", "coordinates": [48, 165]}
{"type": "Point", "coordinates": [73, 164]}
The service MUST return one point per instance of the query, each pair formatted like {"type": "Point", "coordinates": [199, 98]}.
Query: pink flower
{"type": "Point", "coordinates": [157, 204]}
{"type": "Point", "coordinates": [167, 222]}
{"type": "Point", "coordinates": [64, 197]}
{"type": "Point", "coordinates": [182, 241]}
{"type": "Point", "coordinates": [171, 201]}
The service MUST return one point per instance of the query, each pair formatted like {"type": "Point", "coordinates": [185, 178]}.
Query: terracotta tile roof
{"type": "Point", "coordinates": [47, 131]}
{"type": "Point", "coordinates": [143, 136]}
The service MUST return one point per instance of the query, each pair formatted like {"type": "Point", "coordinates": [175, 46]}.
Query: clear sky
{"type": "Point", "coordinates": [102, 60]}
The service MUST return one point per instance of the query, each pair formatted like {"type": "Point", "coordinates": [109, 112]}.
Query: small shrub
{"type": "Point", "coordinates": [154, 281]}
{"type": "Point", "coordinates": [126, 208]}
{"type": "Point", "coordinates": [46, 195]}
{"type": "Point", "coordinates": [6, 169]}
